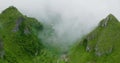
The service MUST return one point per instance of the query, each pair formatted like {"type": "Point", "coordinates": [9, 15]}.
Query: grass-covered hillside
{"type": "Point", "coordinates": [19, 42]}
{"type": "Point", "coordinates": [102, 45]}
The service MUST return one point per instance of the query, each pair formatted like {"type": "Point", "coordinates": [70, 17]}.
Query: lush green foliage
{"type": "Point", "coordinates": [102, 45]}
{"type": "Point", "coordinates": [19, 34]}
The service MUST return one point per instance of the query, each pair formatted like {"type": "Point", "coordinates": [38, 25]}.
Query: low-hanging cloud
{"type": "Point", "coordinates": [70, 19]}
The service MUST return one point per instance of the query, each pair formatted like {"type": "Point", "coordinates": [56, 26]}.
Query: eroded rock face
{"type": "Point", "coordinates": [18, 23]}
{"type": "Point", "coordinates": [98, 52]}
{"type": "Point", "coordinates": [63, 58]}
{"type": "Point", "coordinates": [87, 40]}
{"type": "Point", "coordinates": [2, 53]}
{"type": "Point", "coordinates": [105, 22]}
{"type": "Point", "coordinates": [91, 37]}
{"type": "Point", "coordinates": [26, 31]}
{"type": "Point", "coordinates": [88, 49]}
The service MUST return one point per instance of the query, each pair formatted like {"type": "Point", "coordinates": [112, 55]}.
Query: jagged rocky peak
{"type": "Point", "coordinates": [107, 20]}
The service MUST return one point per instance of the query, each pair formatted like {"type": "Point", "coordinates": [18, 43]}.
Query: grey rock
{"type": "Point", "coordinates": [26, 31]}
{"type": "Point", "coordinates": [88, 49]}
{"type": "Point", "coordinates": [100, 53]}
{"type": "Point", "coordinates": [2, 53]}
{"type": "Point", "coordinates": [105, 22]}
{"type": "Point", "coordinates": [18, 23]}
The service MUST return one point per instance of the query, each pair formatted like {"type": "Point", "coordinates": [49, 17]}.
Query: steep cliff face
{"type": "Point", "coordinates": [101, 44]}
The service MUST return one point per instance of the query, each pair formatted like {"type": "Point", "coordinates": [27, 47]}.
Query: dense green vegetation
{"type": "Point", "coordinates": [19, 42]}
{"type": "Point", "coordinates": [102, 45]}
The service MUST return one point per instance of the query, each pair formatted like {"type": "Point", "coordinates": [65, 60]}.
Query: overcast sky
{"type": "Point", "coordinates": [73, 17]}
{"type": "Point", "coordinates": [83, 8]}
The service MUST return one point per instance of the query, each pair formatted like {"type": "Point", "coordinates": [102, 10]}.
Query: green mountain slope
{"type": "Point", "coordinates": [102, 45]}
{"type": "Point", "coordinates": [17, 34]}
{"type": "Point", "coordinates": [19, 42]}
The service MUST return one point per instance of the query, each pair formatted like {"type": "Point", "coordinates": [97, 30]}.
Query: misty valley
{"type": "Point", "coordinates": [25, 39]}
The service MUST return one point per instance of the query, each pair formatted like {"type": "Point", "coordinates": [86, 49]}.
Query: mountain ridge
{"type": "Point", "coordinates": [19, 36]}
{"type": "Point", "coordinates": [20, 43]}
{"type": "Point", "coordinates": [100, 45]}
{"type": "Point", "coordinates": [107, 20]}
